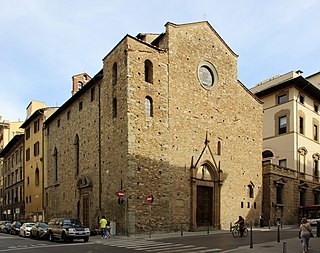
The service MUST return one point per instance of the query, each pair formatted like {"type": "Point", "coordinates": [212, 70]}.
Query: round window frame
{"type": "Point", "coordinates": [213, 72]}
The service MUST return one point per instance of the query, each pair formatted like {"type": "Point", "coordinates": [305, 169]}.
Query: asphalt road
{"type": "Point", "coordinates": [216, 242]}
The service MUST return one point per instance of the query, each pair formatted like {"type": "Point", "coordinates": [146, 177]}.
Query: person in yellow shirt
{"type": "Point", "coordinates": [103, 225]}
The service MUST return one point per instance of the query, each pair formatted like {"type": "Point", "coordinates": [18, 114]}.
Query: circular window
{"type": "Point", "coordinates": [207, 74]}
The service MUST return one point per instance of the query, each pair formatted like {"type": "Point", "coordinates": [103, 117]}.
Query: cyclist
{"type": "Point", "coordinates": [240, 222]}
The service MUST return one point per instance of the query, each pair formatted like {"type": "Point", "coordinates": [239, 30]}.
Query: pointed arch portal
{"type": "Point", "coordinates": [206, 196]}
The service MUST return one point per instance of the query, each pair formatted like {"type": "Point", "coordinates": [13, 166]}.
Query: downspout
{"type": "Point", "coordinates": [99, 140]}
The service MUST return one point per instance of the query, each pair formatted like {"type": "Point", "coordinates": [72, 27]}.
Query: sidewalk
{"type": "Point", "coordinates": [292, 245]}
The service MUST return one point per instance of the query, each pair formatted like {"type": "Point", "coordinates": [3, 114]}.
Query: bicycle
{"type": "Point", "coordinates": [235, 230]}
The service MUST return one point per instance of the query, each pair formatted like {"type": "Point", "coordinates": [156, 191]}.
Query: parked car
{"type": "Point", "coordinates": [7, 228]}
{"type": "Point", "coordinates": [67, 229]}
{"type": "Point", "coordinates": [25, 229]}
{"type": "Point", "coordinates": [39, 230]}
{"type": "Point", "coordinates": [3, 224]}
{"type": "Point", "coordinates": [15, 227]}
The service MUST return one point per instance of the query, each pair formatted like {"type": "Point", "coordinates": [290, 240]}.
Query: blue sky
{"type": "Point", "coordinates": [44, 43]}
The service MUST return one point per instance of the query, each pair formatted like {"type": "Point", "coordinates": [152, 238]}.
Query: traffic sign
{"type": "Point", "coordinates": [149, 198]}
{"type": "Point", "coordinates": [121, 194]}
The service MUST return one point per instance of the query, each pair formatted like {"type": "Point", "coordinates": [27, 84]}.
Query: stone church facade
{"type": "Point", "coordinates": [166, 117]}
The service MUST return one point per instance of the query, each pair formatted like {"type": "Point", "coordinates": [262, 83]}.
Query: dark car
{"type": "Point", "coordinates": [7, 228]}
{"type": "Point", "coordinates": [67, 229]}
{"type": "Point", "coordinates": [15, 227]}
{"type": "Point", "coordinates": [3, 225]}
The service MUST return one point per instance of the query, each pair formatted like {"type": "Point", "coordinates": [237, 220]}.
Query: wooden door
{"type": "Point", "coordinates": [204, 206]}
{"type": "Point", "coordinates": [85, 211]}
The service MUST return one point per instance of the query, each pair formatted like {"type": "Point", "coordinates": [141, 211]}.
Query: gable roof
{"type": "Point", "coordinates": [213, 30]}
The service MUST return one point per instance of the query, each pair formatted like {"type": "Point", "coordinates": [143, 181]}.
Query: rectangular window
{"type": "Point", "coordinates": [80, 105]}
{"type": "Point", "coordinates": [316, 170]}
{"type": "Point", "coordinates": [302, 197]}
{"type": "Point", "coordinates": [36, 149]}
{"type": "Point", "coordinates": [68, 115]}
{"type": "Point", "coordinates": [316, 198]}
{"type": "Point", "coordinates": [301, 125]}
{"type": "Point", "coordinates": [301, 99]}
{"type": "Point", "coordinates": [315, 132]}
{"type": "Point", "coordinates": [36, 126]}
{"type": "Point", "coordinates": [280, 194]}
{"type": "Point", "coordinates": [283, 125]}
{"type": "Point", "coordinates": [283, 163]}
{"type": "Point", "coordinates": [28, 154]}
{"type": "Point", "coordinates": [58, 122]}
{"type": "Point", "coordinates": [316, 108]}
{"type": "Point", "coordinates": [27, 133]}
{"type": "Point", "coordinates": [282, 99]}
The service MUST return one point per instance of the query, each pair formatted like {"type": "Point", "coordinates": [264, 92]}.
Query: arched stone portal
{"type": "Point", "coordinates": [205, 196]}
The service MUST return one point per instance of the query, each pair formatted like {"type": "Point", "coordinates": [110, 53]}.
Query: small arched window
{"type": "Point", "coordinates": [36, 177]}
{"type": "Point", "coordinates": [114, 74]}
{"type": "Point", "coordinates": [80, 85]}
{"type": "Point", "coordinates": [148, 71]}
{"type": "Point", "coordinates": [267, 154]}
{"type": "Point", "coordinates": [250, 187]}
{"type": "Point", "coordinates": [77, 153]}
{"type": "Point", "coordinates": [149, 107]}
{"type": "Point", "coordinates": [114, 107]}
{"type": "Point", "coordinates": [55, 164]}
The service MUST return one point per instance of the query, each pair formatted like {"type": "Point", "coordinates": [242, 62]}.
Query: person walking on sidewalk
{"type": "Point", "coordinates": [305, 234]}
{"type": "Point", "coordinates": [103, 226]}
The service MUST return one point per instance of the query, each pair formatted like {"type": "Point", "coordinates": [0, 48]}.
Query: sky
{"type": "Point", "coordinates": [44, 43]}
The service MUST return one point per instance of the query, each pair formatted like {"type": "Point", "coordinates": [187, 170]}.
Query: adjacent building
{"type": "Point", "coordinates": [37, 113]}
{"type": "Point", "coordinates": [12, 155]}
{"type": "Point", "coordinates": [7, 131]}
{"type": "Point", "coordinates": [291, 148]}
{"type": "Point", "coordinates": [165, 120]}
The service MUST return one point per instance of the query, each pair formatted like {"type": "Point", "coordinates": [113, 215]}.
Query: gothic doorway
{"type": "Point", "coordinates": [204, 206]}
{"type": "Point", "coordinates": [205, 197]}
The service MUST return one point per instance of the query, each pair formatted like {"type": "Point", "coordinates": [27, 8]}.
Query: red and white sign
{"type": "Point", "coordinates": [121, 194]}
{"type": "Point", "coordinates": [149, 198]}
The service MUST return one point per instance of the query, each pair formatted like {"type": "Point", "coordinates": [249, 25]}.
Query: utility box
{"type": "Point", "coordinates": [113, 228]}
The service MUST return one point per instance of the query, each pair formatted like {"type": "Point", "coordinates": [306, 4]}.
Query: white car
{"type": "Point", "coordinates": [25, 229]}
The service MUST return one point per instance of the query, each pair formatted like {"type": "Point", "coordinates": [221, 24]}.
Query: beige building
{"type": "Point", "coordinates": [7, 131]}
{"type": "Point", "coordinates": [12, 155]}
{"type": "Point", "coordinates": [37, 113]}
{"type": "Point", "coordinates": [291, 148]}
{"type": "Point", "coordinates": [167, 118]}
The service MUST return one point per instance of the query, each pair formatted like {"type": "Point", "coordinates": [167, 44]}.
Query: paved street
{"type": "Point", "coordinates": [264, 240]}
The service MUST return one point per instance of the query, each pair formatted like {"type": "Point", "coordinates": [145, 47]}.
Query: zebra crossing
{"type": "Point", "coordinates": [141, 245]}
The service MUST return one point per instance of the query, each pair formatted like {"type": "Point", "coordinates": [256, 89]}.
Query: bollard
{"type": "Point", "coordinates": [181, 230]}
{"type": "Point", "coordinates": [278, 239]}
{"type": "Point", "coordinates": [208, 228]}
{"type": "Point", "coordinates": [269, 223]}
{"type": "Point", "coordinates": [284, 249]}
{"type": "Point", "coordinates": [251, 236]}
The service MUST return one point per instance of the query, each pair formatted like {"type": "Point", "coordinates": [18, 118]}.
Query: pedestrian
{"type": "Point", "coordinates": [240, 222]}
{"type": "Point", "coordinates": [103, 226]}
{"type": "Point", "coordinates": [305, 234]}
{"type": "Point", "coordinates": [108, 229]}
{"type": "Point", "coordinates": [261, 220]}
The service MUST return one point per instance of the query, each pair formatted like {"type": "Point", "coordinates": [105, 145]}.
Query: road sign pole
{"type": "Point", "coordinates": [149, 219]}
